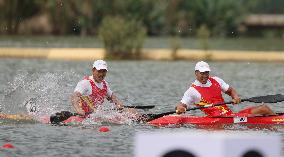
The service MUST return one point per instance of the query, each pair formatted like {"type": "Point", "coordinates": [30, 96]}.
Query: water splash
{"type": "Point", "coordinates": [45, 92]}
{"type": "Point", "coordinates": [108, 114]}
{"type": "Point", "coordinates": [42, 94]}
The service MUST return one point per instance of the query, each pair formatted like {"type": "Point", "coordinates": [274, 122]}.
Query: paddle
{"type": "Point", "coordinates": [54, 119]}
{"type": "Point", "coordinates": [61, 116]}
{"type": "Point", "coordinates": [260, 99]}
{"type": "Point", "coordinates": [17, 117]}
{"type": "Point", "coordinates": [266, 99]}
{"type": "Point", "coordinates": [141, 107]}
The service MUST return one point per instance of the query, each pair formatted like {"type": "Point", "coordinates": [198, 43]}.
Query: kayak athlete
{"type": "Point", "coordinates": [90, 93]}
{"type": "Point", "coordinates": [208, 89]}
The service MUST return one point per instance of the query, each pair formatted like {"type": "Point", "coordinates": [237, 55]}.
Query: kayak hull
{"type": "Point", "coordinates": [165, 120]}
{"type": "Point", "coordinates": [189, 119]}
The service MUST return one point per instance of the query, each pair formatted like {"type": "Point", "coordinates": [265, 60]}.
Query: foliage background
{"type": "Point", "coordinates": [159, 17]}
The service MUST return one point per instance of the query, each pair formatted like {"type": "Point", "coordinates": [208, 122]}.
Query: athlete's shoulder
{"type": "Point", "coordinates": [193, 83]}
{"type": "Point", "coordinates": [191, 90]}
{"type": "Point", "coordinates": [87, 77]}
{"type": "Point", "coordinates": [223, 84]}
{"type": "Point", "coordinates": [218, 79]}
{"type": "Point", "coordinates": [84, 82]}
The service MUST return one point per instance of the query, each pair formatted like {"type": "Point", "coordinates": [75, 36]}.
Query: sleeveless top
{"type": "Point", "coordinates": [91, 102]}
{"type": "Point", "coordinates": [212, 95]}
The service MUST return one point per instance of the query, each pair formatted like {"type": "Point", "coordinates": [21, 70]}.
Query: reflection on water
{"type": "Point", "coordinates": [160, 83]}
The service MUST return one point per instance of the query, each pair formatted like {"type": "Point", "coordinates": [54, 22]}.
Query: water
{"type": "Point", "coordinates": [160, 83]}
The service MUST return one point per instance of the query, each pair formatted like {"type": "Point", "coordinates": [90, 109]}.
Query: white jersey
{"type": "Point", "coordinates": [84, 87]}
{"type": "Point", "coordinates": [192, 96]}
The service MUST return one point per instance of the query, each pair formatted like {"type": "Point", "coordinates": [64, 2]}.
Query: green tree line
{"type": "Point", "coordinates": [158, 17]}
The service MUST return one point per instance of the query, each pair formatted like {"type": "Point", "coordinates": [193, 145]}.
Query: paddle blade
{"type": "Point", "coordinates": [60, 117]}
{"type": "Point", "coordinates": [18, 117]}
{"type": "Point", "coordinates": [266, 99]}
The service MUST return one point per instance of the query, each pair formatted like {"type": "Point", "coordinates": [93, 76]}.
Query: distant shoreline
{"type": "Point", "coordinates": [147, 54]}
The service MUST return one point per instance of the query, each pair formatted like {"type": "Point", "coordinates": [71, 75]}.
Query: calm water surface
{"type": "Point", "coordinates": [160, 83]}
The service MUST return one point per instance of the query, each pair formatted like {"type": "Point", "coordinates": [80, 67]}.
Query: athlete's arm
{"type": "Point", "coordinates": [75, 100]}
{"type": "Point", "coordinates": [229, 90]}
{"type": "Point", "coordinates": [113, 98]}
{"type": "Point", "coordinates": [233, 93]}
{"type": "Point", "coordinates": [83, 88]}
{"type": "Point", "coordinates": [190, 97]}
{"type": "Point", "coordinates": [116, 101]}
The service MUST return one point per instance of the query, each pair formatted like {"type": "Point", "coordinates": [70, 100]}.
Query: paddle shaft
{"type": "Point", "coordinates": [141, 107]}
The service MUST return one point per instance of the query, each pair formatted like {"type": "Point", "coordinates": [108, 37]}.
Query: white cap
{"type": "Point", "coordinates": [202, 66]}
{"type": "Point", "coordinates": [100, 64]}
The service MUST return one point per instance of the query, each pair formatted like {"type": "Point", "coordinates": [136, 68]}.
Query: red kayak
{"type": "Point", "coordinates": [189, 119]}
{"type": "Point", "coordinates": [197, 120]}
{"type": "Point", "coordinates": [165, 120]}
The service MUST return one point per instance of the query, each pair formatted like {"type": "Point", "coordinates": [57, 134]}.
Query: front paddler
{"type": "Point", "coordinates": [91, 92]}
{"type": "Point", "coordinates": [208, 89]}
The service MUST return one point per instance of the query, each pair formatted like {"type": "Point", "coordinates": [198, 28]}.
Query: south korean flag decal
{"type": "Point", "coordinates": [240, 119]}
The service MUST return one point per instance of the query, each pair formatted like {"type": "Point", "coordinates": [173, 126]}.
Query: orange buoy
{"type": "Point", "coordinates": [8, 145]}
{"type": "Point", "coordinates": [103, 129]}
